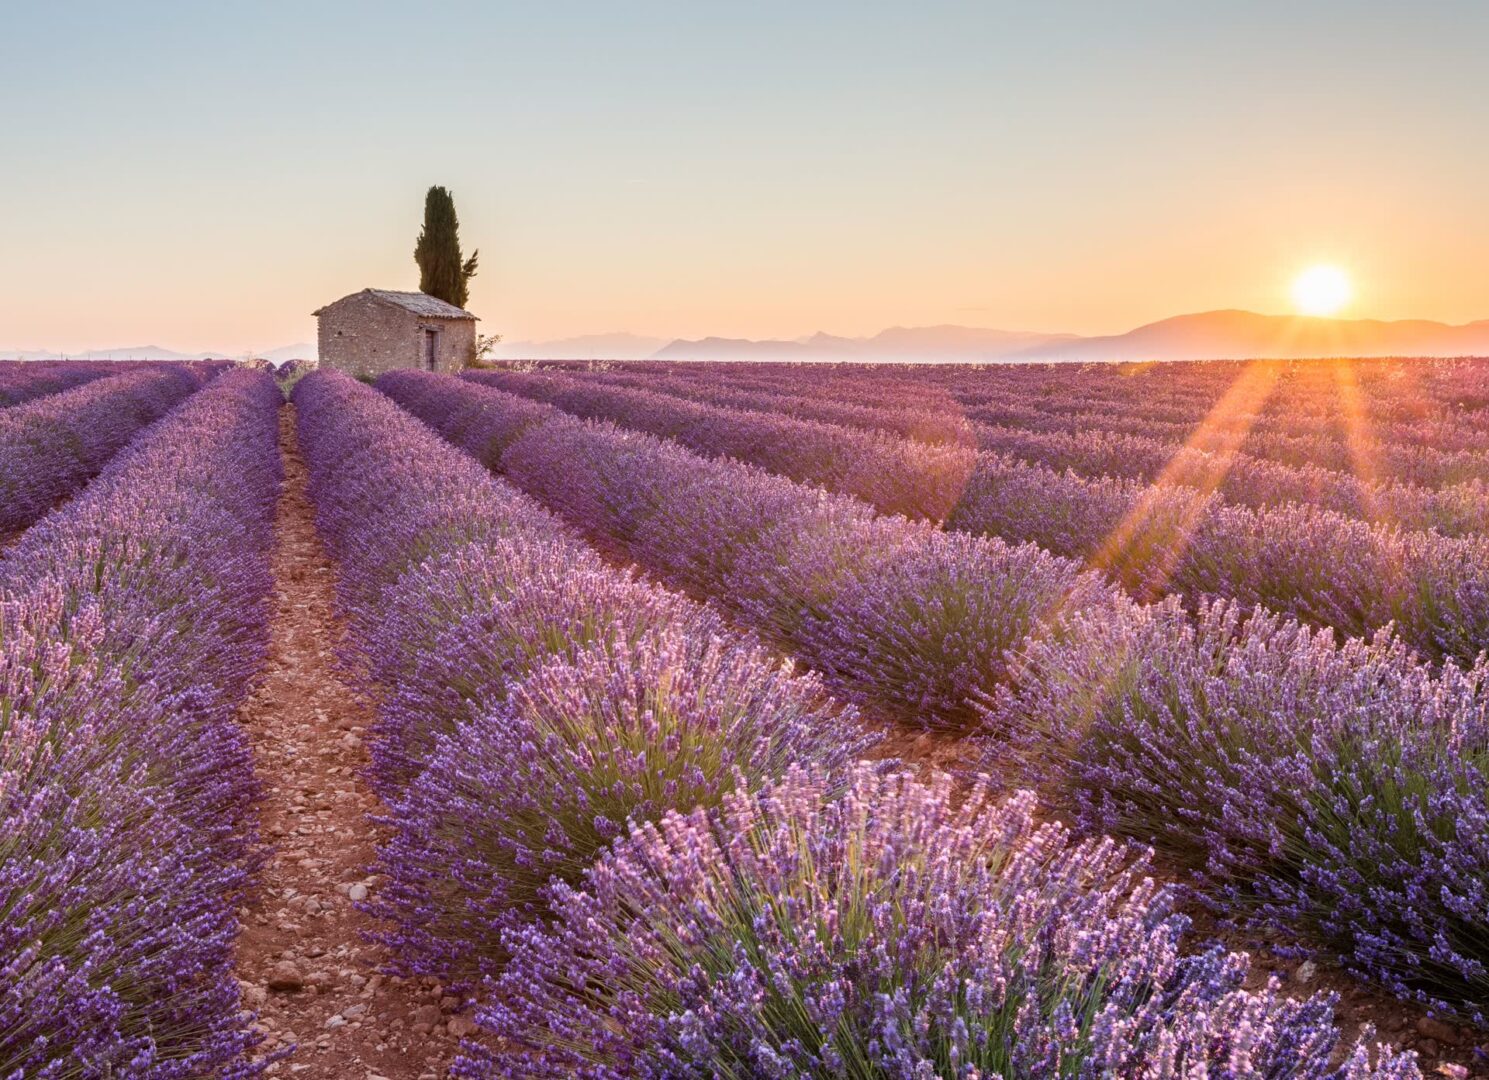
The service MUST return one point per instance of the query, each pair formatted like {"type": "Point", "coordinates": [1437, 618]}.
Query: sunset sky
{"type": "Point", "coordinates": [204, 175]}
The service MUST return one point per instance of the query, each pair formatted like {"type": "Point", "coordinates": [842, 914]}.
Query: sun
{"type": "Point", "coordinates": [1321, 290]}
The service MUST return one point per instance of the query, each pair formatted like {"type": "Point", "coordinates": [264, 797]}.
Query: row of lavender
{"type": "Point", "coordinates": [532, 699]}
{"type": "Point", "coordinates": [1297, 559]}
{"type": "Point", "coordinates": [1400, 400]}
{"type": "Point", "coordinates": [51, 447]}
{"type": "Point", "coordinates": [1339, 434]}
{"type": "Point", "coordinates": [23, 382]}
{"type": "Point", "coordinates": [655, 839]}
{"type": "Point", "coordinates": [1427, 455]}
{"type": "Point", "coordinates": [890, 610]}
{"type": "Point", "coordinates": [1356, 451]}
{"type": "Point", "coordinates": [1435, 451]}
{"type": "Point", "coordinates": [1121, 438]}
{"type": "Point", "coordinates": [897, 475]}
{"type": "Point", "coordinates": [1210, 460]}
{"type": "Point", "coordinates": [1333, 791]}
{"type": "Point", "coordinates": [134, 621]}
{"type": "Point", "coordinates": [933, 419]}
{"type": "Point", "coordinates": [1460, 508]}
{"type": "Point", "coordinates": [1394, 397]}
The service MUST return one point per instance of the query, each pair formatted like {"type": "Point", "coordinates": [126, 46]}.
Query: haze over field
{"type": "Point", "coordinates": [1213, 334]}
{"type": "Point", "coordinates": [1209, 335]}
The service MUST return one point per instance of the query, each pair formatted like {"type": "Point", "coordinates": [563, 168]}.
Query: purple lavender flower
{"type": "Point", "coordinates": [51, 447]}
{"type": "Point", "coordinates": [21, 382]}
{"type": "Point", "coordinates": [897, 475]}
{"type": "Point", "coordinates": [134, 621]}
{"type": "Point", "coordinates": [892, 930]}
{"type": "Point", "coordinates": [532, 699]}
{"type": "Point", "coordinates": [1305, 536]}
{"type": "Point", "coordinates": [1335, 791]}
{"type": "Point", "coordinates": [530, 790]}
{"type": "Point", "coordinates": [890, 611]}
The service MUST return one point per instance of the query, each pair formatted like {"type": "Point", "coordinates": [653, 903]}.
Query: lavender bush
{"type": "Point", "coordinates": [888, 610]}
{"type": "Point", "coordinates": [1325, 568]}
{"type": "Point", "coordinates": [1356, 578]}
{"type": "Point", "coordinates": [893, 931]}
{"type": "Point", "coordinates": [21, 382]}
{"type": "Point", "coordinates": [1246, 480]}
{"type": "Point", "coordinates": [528, 792]}
{"type": "Point", "coordinates": [1179, 537]}
{"type": "Point", "coordinates": [290, 372]}
{"type": "Point", "coordinates": [459, 633]}
{"type": "Point", "coordinates": [1333, 790]}
{"type": "Point", "coordinates": [939, 617]}
{"type": "Point", "coordinates": [51, 447]}
{"type": "Point", "coordinates": [713, 518]}
{"type": "Point", "coordinates": [132, 623]}
{"type": "Point", "coordinates": [532, 699]}
{"type": "Point", "coordinates": [1090, 451]}
{"type": "Point", "coordinates": [897, 475]}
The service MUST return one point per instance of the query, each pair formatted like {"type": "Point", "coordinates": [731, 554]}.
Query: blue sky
{"type": "Point", "coordinates": [204, 175]}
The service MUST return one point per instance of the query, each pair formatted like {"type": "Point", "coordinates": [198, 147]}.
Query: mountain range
{"type": "Point", "coordinates": [586, 347]}
{"type": "Point", "coordinates": [303, 349]}
{"type": "Point", "coordinates": [1203, 336]}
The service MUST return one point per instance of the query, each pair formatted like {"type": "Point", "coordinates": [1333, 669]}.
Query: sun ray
{"type": "Point", "coordinates": [1152, 537]}
{"type": "Point", "coordinates": [1359, 439]}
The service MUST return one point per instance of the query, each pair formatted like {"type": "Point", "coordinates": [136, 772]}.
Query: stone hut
{"type": "Point", "coordinates": [377, 330]}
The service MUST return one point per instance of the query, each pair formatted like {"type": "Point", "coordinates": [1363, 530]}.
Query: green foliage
{"type": "Point", "coordinates": [481, 349]}
{"type": "Point", "coordinates": [442, 271]}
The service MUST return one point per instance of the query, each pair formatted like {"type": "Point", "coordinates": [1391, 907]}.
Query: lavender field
{"type": "Point", "coordinates": [745, 720]}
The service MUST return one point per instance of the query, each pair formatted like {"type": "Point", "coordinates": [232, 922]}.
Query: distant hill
{"type": "Point", "coordinates": [1204, 336]}
{"type": "Point", "coordinates": [300, 350]}
{"type": "Point", "coordinates": [127, 352]}
{"type": "Point", "coordinates": [945, 344]}
{"type": "Point", "coordinates": [586, 347]}
{"type": "Point", "coordinates": [1247, 335]}
{"type": "Point", "coordinates": [958, 341]}
{"type": "Point", "coordinates": [719, 348]}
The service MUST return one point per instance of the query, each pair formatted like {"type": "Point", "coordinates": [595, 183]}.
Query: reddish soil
{"type": "Point", "coordinates": [304, 961]}
{"type": "Point", "coordinates": [1443, 1049]}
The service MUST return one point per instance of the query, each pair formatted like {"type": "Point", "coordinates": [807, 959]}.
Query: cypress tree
{"type": "Point", "coordinates": [442, 272]}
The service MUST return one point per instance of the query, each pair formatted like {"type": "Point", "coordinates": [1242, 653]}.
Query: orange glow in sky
{"type": "Point", "coordinates": [205, 176]}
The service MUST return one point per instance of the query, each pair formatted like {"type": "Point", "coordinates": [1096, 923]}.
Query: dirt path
{"type": "Point", "coordinates": [304, 963]}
